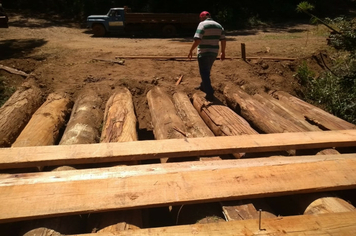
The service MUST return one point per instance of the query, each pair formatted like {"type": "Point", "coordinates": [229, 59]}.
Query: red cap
{"type": "Point", "coordinates": [204, 14]}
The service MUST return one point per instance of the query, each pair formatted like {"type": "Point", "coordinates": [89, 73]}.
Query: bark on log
{"type": "Point", "coordinates": [85, 121]}
{"type": "Point", "coordinates": [285, 111]}
{"type": "Point", "coordinates": [45, 124]}
{"type": "Point", "coordinates": [17, 111]}
{"type": "Point", "coordinates": [262, 117]}
{"type": "Point", "coordinates": [221, 119]}
{"type": "Point", "coordinates": [119, 119]}
{"type": "Point", "coordinates": [313, 114]}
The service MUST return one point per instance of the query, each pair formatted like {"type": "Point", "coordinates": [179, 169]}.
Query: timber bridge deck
{"type": "Point", "coordinates": [264, 165]}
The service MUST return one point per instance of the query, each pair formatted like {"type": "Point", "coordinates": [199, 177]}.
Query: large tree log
{"type": "Point", "coordinates": [120, 119]}
{"type": "Point", "coordinates": [166, 123]}
{"type": "Point", "coordinates": [193, 122]}
{"type": "Point", "coordinates": [85, 121]}
{"type": "Point", "coordinates": [313, 114]}
{"type": "Point", "coordinates": [261, 117]}
{"type": "Point", "coordinates": [17, 111]}
{"type": "Point", "coordinates": [285, 111]}
{"type": "Point", "coordinates": [221, 119]}
{"type": "Point", "coordinates": [119, 126]}
{"type": "Point", "coordinates": [45, 124]}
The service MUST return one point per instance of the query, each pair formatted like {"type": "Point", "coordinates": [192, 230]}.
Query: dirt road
{"type": "Point", "coordinates": [62, 57]}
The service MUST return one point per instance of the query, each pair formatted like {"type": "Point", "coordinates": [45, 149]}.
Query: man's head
{"type": "Point", "coordinates": [204, 15]}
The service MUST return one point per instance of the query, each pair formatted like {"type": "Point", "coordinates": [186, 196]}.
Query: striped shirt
{"type": "Point", "coordinates": [210, 32]}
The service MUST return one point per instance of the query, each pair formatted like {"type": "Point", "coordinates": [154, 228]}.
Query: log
{"type": "Point", "coordinates": [17, 111]}
{"type": "Point", "coordinates": [336, 224]}
{"type": "Point", "coordinates": [44, 127]}
{"type": "Point", "coordinates": [119, 126]}
{"type": "Point", "coordinates": [60, 196]}
{"type": "Point", "coordinates": [166, 123]}
{"type": "Point", "coordinates": [194, 124]}
{"type": "Point", "coordinates": [315, 115]}
{"type": "Point", "coordinates": [172, 148]}
{"type": "Point", "coordinates": [119, 119]}
{"type": "Point", "coordinates": [285, 111]}
{"type": "Point", "coordinates": [221, 119]}
{"type": "Point", "coordinates": [85, 121]}
{"type": "Point", "coordinates": [260, 116]}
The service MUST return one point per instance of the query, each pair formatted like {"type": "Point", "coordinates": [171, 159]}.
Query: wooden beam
{"type": "Point", "coordinates": [37, 199]}
{"type": "Point", "coordinates": [144, 150]}
{"type": "Point", "coordinates": [336, 224]}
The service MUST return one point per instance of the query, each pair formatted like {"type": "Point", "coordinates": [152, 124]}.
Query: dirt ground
{"type": "Point", "coordinates": [60, 57]}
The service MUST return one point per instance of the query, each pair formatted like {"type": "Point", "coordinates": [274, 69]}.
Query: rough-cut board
{"type": "Point", "coordinates": [45, 124]}
{"type": "Point", "coordinates": [85, 121]}
{"type": "Point", "coordinates": [17, 111]}
{"type": "Point", "coordinates": [336, 224]}
{"type": "Point", "coordinates": [96, 194]}
{"type": "Point", "coordinates": [173, 148]}
{"type": "Point", "coordinates": [258, 115]}
{"type": "Point", "coordinates": [120, 120]}
{"type": "Point", "coordinates": [321, 118]}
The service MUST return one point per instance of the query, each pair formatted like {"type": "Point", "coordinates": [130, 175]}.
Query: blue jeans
{"type": "Point", "coordinates": [205, 64]}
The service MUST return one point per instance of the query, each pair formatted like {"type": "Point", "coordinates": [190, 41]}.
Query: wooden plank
{"type": "Point", "coordinates": [143, 150]}
{"type": "Point", "coordinates": [336, 224]}
{"type": "Point", "coordinates": [45, 199]}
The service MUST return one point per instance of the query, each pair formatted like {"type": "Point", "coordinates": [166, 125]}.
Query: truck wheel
{"type": "Point", "coordinates": [99, 30]}
{"type": "Point", "coordinates": [169, 31]}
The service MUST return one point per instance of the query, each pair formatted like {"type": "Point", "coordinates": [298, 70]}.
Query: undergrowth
{"type": "Point", "coordinates": [5, 91]}
{"type": "Point", "coordinates": [335, 89]}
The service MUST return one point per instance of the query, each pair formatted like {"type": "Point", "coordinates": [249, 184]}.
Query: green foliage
{"type": "Point", "coordinates": [346, 40]}
{"type": "Point", "coordinates": [336, 91]}
{"type": "Point", "coordinates": [304, 7]}
{"type": "Point", "coordinates": [5, 91]}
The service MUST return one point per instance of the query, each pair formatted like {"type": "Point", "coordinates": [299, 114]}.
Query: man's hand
{"type": "Point", "coordinates": [222, 56]}
{"type": "Point", "coordinates": [190, 55]}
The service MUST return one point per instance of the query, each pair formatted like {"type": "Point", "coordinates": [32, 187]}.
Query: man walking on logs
{"type": "Point", "coordinates": [206, 38]}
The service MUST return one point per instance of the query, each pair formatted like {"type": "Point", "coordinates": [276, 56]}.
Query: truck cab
{"type": "Point", "coordinates": [113, 21]}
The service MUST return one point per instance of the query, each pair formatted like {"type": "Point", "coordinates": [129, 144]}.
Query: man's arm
{"type": "Point", "coordinates": [194, 45]}
{"type": "Point", "coordinates": [223, 46]}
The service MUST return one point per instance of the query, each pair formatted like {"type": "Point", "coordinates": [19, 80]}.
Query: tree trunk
{"type": "Point", "coordinates": [85, 121]}
{"type": "Point", "coordinates": [46, 123]}
{"type": "Point", "coordinates": [166, 123]}
{"type": "Point", "coordinates": [119, 119]}
{"type": "Point", "coordinates": [285, 111]}
{"type": "Point", "coordinates": [17, 111]}
{"type": "Point", "coordinates": [119, 126]}
{"type": "Point", "coordinates": [314, 115]}
{"type": "Point", "coordinates": [261, 117]}
{"type": "Point", "coordinates": [221, 119]}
